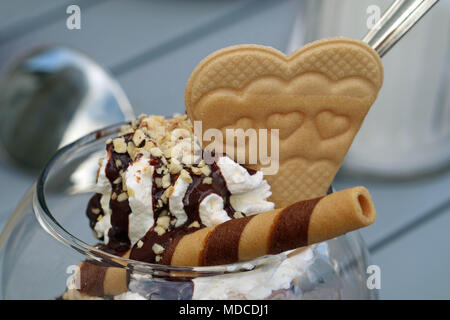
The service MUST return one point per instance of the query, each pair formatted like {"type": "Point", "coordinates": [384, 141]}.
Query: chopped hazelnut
{"type": "Point", "coordinates": [114, 196]}
{"type": "Point", "coordinates": [140, 244]}
{"type": "Point", "coordinates": [131, 149]}
{"type": "Point", "coordinates": [159, 230]}
{"type": "Point", "coordinates": [119, 145]}
{"type": "Point", "coordinates": [194, 224]}
{"type": "Point", "coordinates": [207, 180]}
{"type": "Point", "coordinates": [148, 146]}
{"type": "Point", "coordinates": [164, 213]}
{"type": "Point", "coordinates": [185, 176]}
{"type": "Point", "coordinates": [169, 191]}
{"type": "Point", "coordinates": [157, 249]}
{"type": "Point", "coordinates": [175, 166]}
{"type": "Point", "coordinates": [118, 180]}
{"type": "Point", "coordinates": [156, 152]}
{"type": "Point", "coordinates": [126, 129]}
{"type": "Point", "coordinates": [167, 150]}
{"type": "Point", "coordinates": [122, 197]}
{"type": "Point", "coordinates": [196, 171]}
{"type": "Point", "coordinates": [159, 119]}
{"type": "Point", "coordinates": [206, 170]}
{"type": "Point", "coordinates": [138, 137]}
{"type": "Point", "coordinates": [238, 215]}
{"type": "Point", "coordinates": [166, 181]}
{"type": "Point", "coordinates": [180, 117]}
{"type": "Point", "coordinates": [163, 222]}
{"type": "Point", "coordinates": [95, 210]}
{"type": "Point", "coordinates": [163, 198]}
{"type": "Point", "coordinates": [158, 258]}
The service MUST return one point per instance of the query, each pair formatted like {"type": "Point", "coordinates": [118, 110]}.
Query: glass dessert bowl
{"type": "Point", "coordinates": [33, 265]}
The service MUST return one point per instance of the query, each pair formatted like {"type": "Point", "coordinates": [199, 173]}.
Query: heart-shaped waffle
{"type": "Point", "coordinates": [317, 97]}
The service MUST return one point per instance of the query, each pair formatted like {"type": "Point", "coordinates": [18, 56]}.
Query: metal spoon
{"type": "Point", "coordinates": [401, 16]}
{"type": "Point", "coordinates": [51, 97]}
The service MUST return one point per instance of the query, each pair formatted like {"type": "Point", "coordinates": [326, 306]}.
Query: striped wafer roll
{"type": "Point", "coordinates": [300, 224]}
{"type": "Point", "coordinates": [94, 279]}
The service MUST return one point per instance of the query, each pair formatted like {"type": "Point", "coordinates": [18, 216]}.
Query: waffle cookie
{"type": "Point", "coordinates": [317, 97]}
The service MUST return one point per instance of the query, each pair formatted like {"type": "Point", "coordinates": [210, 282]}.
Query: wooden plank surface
{"type": "Point", "coordinates": [398, 203]}
{"type": "Point", "coordinates": [157, 87]}
{"type": "Point", "coordinates": [416, 265]}
{"type": "Point", "coordinates": [152, 46]}
{"type": "Point", "coordinates": [114, 31]}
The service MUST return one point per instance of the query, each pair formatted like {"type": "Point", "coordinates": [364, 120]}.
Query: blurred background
{"type": "Point", "coordinates": [52, 91]}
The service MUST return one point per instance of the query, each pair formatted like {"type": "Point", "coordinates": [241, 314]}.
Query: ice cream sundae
{"type": "Point", "coordinates": [161, 200]}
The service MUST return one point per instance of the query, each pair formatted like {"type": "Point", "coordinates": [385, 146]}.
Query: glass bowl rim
{"type": "Point", "coordinates": [51, 225]}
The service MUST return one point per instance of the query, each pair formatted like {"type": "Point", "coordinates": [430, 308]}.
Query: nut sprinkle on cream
{"type": "Point", "coordinates": [153, 187]}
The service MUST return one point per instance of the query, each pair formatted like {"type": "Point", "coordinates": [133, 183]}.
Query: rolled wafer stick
{"type": "Point", "coordinates": [300, 224]}
{"type": "Point", "coordinates": [98, 280]}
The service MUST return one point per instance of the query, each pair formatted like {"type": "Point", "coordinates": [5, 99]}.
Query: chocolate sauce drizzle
{"type": "Point", "coordinates": [195, 193]}
{"type": "Point", "coordinates": [118, 234]}
{"type": "Point", "coordinates": [94, 205]}
{"type": "Point", "coordinates": [119, 241]}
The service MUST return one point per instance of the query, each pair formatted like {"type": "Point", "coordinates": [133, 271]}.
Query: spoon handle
{"type": "Point", "coordinates": [396, 22]}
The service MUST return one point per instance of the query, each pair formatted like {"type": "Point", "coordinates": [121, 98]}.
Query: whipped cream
{"type": "Point", "coordinates": [258, 282]}
{"type": "Point", "coordinates": [237, 177]}
{"type": "Point", "coordinates": [211, 210]}
{"type": "Point", "coordinates": [176, 205]}
{"type": "Point", "coordinates": [186, 150]}
{"type": "Point", "coordinates": [254, 284]}
{"type": "Point", "coordinates": [253, 201]}
{"type": "Point", "coordinates": [249, 193]}
{"type": "Point", "coordinates": [103, 187]}
{"type": "Point", "coordinates": [139, 181]}
{"type": "Point", "coordinates": [102, 227]}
